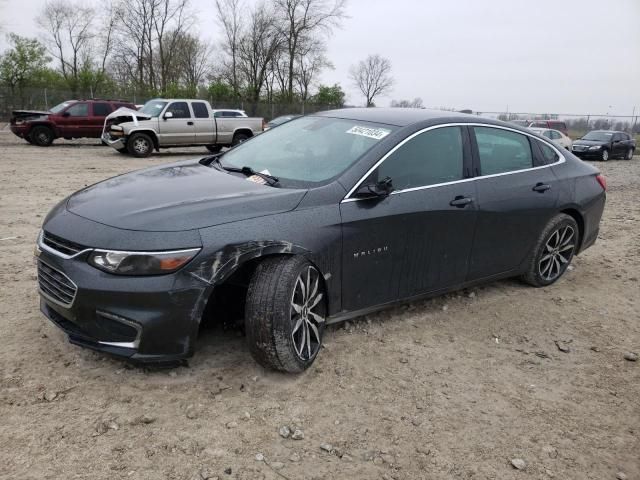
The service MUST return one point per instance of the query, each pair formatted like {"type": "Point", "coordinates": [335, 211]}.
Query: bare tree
{"type": "Point", "coordinates": [372, 76]}
{"type": "Point", "coordinates": [303, 20]}
{"type": "Point", "coordinates": [310, 63]}
{"type": "Point", "coordinates": [230, 17]}
{"type": "Point", "coordinates": [258, 47]}
{"type": "Point", "coordinates": [193, 55]}
{"type": "Point", "coordinates": [69, 34]}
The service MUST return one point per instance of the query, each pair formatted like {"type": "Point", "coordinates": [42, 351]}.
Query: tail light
{"type": "Point", "coordinates": [602, 180]}
{"type": "Point", "coordinates": [264, 125]}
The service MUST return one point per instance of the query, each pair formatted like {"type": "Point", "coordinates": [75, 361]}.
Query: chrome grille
{"type": "Point", "coordinates": [61, 245]}
{"type": "Point", "coordinates": [55, 285]}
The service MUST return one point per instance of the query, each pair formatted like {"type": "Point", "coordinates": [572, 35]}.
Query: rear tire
{"type": "Point", "coordinates": [42, 136]}
{"type": "Point", "coordinates": [553, 251]}
{"type": "Point", "coordinates": [140, 145]}
{"type": "Point", "coordinates": [239, 138]}
{"type": "Point", "coordinates": [604, 156]}
{"type": "Point", "coordinates": [285, 313]}
{"type": "Point", "coordinates": [629, 155]}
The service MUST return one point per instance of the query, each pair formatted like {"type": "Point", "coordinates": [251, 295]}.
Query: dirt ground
{"type": "Point", "coordinates": [454, 387]}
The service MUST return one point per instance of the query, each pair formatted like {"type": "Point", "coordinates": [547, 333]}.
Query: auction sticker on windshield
{"type": "Point", "coordinates": [377, 133]}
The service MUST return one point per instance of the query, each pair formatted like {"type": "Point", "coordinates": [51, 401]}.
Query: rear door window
{"type": "Point", "coordinates": [101, 109]}
{"type": "Point", "coordinates": [502, 151]}
{"type": "Point", "coordinates": [200, 110]}
{"type": "Point", "coordinates": [435, 156]}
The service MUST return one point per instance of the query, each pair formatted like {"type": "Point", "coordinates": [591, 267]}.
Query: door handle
{"type": "Point", "coordinates": [460, 201]}
{"type": "Point", "coordinates": [541, 187]}
{"type": "Point", "coordinates": [189, 123]}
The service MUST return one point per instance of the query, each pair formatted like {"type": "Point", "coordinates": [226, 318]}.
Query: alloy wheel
{"type": "Point", "coordinates": [140, 145]}
{"type": "Point", "coordinates": [629, 155]}
{"type": "Point", "coordinates": [307, 314]}
{"type": "Point", "coordinates": [605, 155]}
{"type": "Point", "coordinates": [557, 253]}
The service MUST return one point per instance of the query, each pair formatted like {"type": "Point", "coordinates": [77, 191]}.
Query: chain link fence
{"type": "Point", "coordinates": [44, 98]}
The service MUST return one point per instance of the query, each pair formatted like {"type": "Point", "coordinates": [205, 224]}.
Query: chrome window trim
{"type": "Point", "coordinates": [157, 252]}
{"type": "Point", "coordinates": [348, 198]}
{"type": "Point", "coordinates": [49, 297]}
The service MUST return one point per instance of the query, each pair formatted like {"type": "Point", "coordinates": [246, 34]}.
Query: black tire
{"type": "Point", "coordinates": [552, 254]}
{"type": "Point", "coordinates": [272, 321]}
{"type": "Point", "coordinates": [42, 136]}
{"type": "Point", "coordinates": [239, 138]}
{"type": "Point", "coordinates": [629, 154]}
{"type": "Point", "coordinates": [214, 148]}
{"type": "Point", "coordinates": [604, 155]}
{"type": "Point", "coordinates": [122, 150]}
{"type": "Point", "coordinates": [28, 139]}
{"type": "Point", "coordinates": [140, 145]}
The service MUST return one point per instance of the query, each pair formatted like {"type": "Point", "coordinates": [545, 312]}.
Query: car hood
{"type": "Point", "coordinates": [24, 114]}
{"type": "Point", "coordinates": [177, 197]}
{"type": "Point", "coordinates": [589, 142]}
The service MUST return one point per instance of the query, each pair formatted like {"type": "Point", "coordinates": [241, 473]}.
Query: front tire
{"type": "Point", "coordinates": [629, 155]}
{"type": "Point", "coordinates": [42, 136]}
{"type": "Point", "coordinates": [604, 156]}
{"type": "Point", "coordinates": [140, 145]}
{"type": "Point", "coordinates": [285, 313]}
{"type": "Point", "coordinates": [214, 148]}
{"type": "Point", "coordinates": [553, 251]}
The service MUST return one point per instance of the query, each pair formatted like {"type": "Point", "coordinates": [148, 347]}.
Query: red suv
{"type": "Point", "coordinates": [70, 119]}
{"type": "Point", "coordinates": [552, 124]}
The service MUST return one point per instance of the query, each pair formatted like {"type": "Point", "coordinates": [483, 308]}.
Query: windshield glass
{"type": "Point", "coordinates": [598, 136]}
{"type": "Point", "coordinates": [60, 107]}
{"type": "Point", "coordinates": [308, 149]}
{"type": "Point", "coordinates": [153, 107]}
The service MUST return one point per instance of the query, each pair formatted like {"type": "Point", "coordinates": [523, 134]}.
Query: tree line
{"type": "Point", "coordinates": [270, 51]}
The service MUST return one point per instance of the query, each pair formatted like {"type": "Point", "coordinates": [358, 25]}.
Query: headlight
{"type": "Point", "coordinates": [595, 147]}
{"type": "Point", "coordinates": [141, 263]}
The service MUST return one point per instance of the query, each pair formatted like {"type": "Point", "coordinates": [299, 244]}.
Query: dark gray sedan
{"type": "Point", "coordinates": [324, 218]}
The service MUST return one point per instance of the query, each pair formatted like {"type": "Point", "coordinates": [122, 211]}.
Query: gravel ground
{"type": "Point", "coordinates": [455, 387]}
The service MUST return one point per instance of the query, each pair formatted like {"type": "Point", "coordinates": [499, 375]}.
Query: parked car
{"type": "Point", "coordinates": [553, 124]}
{"type": "Point", "coordinates": [164, 123]}
{"type": "Point", "coordinates": [280, 120]}
{"type": "Point", "coordinates": [521, 123]}
{"type": "Point", "coordinates": [70, 119]}
{"type": "Point", "coordinates": [327, 217]}
{"type": "Point", "coordinates": [555, 136]}
{"type": "Point", "coordinates": [605, 144]}
{"type": "Point", "coordinates": [221, 113]}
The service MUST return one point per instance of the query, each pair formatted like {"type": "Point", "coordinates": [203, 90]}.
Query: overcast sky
{"type": "Point", "coordinates": [542, 56]}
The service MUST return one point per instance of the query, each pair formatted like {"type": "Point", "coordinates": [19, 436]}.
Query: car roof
{"type": "Point", "coordinates": [401, 117]}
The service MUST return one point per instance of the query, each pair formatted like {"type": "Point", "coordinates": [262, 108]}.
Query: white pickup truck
{"type": "Point", "coordinates": [164, 123]}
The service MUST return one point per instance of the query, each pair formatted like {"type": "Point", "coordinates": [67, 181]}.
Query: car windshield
{"type": "Point", "coordinates": [307, 150]}
{"type": "Point", "coordinates": [598, 136]}
{"type": "Point", "coordinates": [153, 107]}
{"type": "Point", "coordinates": [60, 107]}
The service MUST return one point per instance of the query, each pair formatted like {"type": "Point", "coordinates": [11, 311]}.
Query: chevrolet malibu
{"type": "Point", "coordinates": [324, 218]}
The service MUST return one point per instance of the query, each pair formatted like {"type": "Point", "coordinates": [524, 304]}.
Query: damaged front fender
{"type": "Point", "coordinates": [219, 266]}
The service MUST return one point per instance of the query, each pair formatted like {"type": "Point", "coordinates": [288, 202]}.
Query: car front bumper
{"type": "Point", "coordinates": [116, 143]}
{"type": "Point", "coordinates": [21, 130]}
{"type": "Point", "coordinates": [151, 319]}
{"type": "Point", "coordinates": [586, 154]}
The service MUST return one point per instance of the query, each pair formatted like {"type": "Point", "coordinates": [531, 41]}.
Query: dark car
{"type": "Point", "coordinates": [324, 218]}
{"type": "Point", "coordinates": [604, 144]}
{"type": "Point", "coordinates": [70, 119]}
{"type": "Point", "coordinates": [280, 120]}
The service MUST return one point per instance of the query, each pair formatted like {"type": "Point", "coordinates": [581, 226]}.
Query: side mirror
{"type": "Point", "coordinates": [66, 114]}
{"type": "Point", "coordinates": [381, 189]}
{"type": "Point", "coordinates": [168, 115]}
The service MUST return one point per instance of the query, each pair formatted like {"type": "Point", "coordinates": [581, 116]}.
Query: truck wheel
{"type": "Point", "coordinates": [285, 313]}
{"type": "Point", "coordinates": [604, 156]}
{"type": "Point", "coordinates": [239, 138]}
{"type": "Point", "coordinates": [140, 145]}
{"type": "Point", "coordinates": [629, 155]}
{"type": "Point", "coordinates": [42, 136]}
{"type": "Point", "coordinates": [214, 148]}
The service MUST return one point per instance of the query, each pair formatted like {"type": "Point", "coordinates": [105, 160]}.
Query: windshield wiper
{"type": "Point", "coordinates": [248, 171]}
